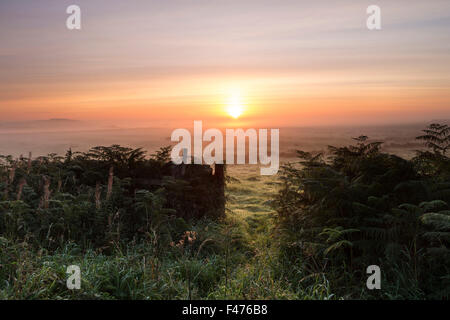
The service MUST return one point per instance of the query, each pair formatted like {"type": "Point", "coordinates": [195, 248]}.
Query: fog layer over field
{"type": "Point", "coordinates": [58, 135]}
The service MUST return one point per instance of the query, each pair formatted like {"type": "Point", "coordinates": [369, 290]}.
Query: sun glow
{"type": "Point", "coordinates": [235, 106]}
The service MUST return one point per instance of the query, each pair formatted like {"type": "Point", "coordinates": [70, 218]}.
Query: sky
{"type": "Point", "coordinates": [167, 63]}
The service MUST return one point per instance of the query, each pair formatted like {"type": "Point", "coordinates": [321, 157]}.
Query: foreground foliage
{"type": "Point", "coordinates": [359, 207]}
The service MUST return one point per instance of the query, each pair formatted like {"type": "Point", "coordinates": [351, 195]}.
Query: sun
{"type": "Point", "coordinates": [235, 107]}
{"type": "Point", "coordinates": [235, 110]}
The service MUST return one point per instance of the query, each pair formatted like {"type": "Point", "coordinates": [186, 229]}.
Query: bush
{"type": "Point", "coordinates": [362, 207]}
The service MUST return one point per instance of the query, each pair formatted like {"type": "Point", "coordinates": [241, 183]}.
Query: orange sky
{"type": "Point", "coordinates": [172, 62]}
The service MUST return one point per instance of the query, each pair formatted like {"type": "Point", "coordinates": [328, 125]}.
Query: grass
{"type": "Point", "coordinates": [263, 275]}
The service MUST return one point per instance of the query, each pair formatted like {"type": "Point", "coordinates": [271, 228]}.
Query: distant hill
{"type": "Point", "coordinates": [54, 124]}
